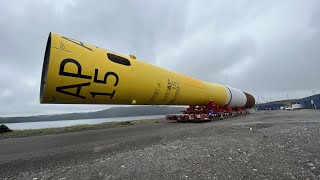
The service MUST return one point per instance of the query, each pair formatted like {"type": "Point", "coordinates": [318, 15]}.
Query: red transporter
{"type": "Point", "coordinates": [208, 112]}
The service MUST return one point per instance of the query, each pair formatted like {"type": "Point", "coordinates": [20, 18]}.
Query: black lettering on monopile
{"type": "Point", "coordinates": [62, 71]}
{"type": "Point", "coordinates": [62, 89]}
{"type": "Point", "coordinates": [104, 81]}
{"type": "Point", "coordinates": [76, 42]}
{"type": "Point", "coordinates": [169, 84]}
{"type": "Point", "coordinates": [102, 94]}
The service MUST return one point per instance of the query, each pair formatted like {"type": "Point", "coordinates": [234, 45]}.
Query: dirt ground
{"type": "Point", "coordinates": [262, 145]}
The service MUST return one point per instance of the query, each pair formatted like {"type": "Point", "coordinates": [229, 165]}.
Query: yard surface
{"type": "Point", "coordinates": [262, 145]}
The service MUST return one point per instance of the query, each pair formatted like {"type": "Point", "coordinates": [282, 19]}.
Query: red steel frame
{"type": "Point", "coordinates": [202, 113]}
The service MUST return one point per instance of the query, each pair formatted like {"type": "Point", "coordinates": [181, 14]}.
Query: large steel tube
{"type": "Point", "coordinates": [78, 73]}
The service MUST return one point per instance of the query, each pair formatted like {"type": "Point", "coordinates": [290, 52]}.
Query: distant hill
{"type": "Point", "coordinates": [277, 102]}
{"type": "Point", "coordinates": [107, 113]}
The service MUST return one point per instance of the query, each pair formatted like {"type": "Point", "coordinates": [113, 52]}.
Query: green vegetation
{"type": "Point", "coordinates": [107, 113]}
{"type": "Point", "coordinates": [4, 129]}
{"type": "Point", "coordinates": [75, 128]}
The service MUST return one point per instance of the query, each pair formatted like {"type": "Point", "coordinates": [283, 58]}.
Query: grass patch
{"type": "Point", "coordinates": [75, 128]}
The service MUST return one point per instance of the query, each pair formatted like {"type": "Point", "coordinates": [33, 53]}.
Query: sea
{"type": "Point", "coordinates": [66, 123]}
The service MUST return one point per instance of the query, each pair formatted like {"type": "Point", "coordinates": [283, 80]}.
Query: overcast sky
{"type": "Point", "coordinates": [267, 48]}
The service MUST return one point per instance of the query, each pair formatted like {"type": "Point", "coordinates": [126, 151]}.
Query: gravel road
{"type": "Point", "coordinates": [263, 145]}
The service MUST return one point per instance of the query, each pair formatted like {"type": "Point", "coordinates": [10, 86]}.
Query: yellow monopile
{"type": "Point", "coordinates": [78, 73]}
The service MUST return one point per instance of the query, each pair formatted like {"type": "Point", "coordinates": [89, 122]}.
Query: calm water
{"type": "Point", "coordinates": [64, 123]}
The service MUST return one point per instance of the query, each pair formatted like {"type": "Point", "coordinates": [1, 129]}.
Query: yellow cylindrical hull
{"type": "Point", "coordinates": [79, 73]}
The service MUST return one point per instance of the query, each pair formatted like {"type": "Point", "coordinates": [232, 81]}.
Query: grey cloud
{"type": "Point", "coordinates": [266, 48]}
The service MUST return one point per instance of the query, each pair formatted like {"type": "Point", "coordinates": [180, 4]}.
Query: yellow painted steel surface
{"type": "Point", "coordinates": [78, 73]}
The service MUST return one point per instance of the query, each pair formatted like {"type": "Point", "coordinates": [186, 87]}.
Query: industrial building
{"type": "Point", "coordinates": [311, 102]}
{"type": "Point", "coordinates": [270, 106]}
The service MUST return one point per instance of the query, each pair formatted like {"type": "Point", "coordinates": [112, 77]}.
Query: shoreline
{"type": "Point", "coordinates": [74, 128]}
